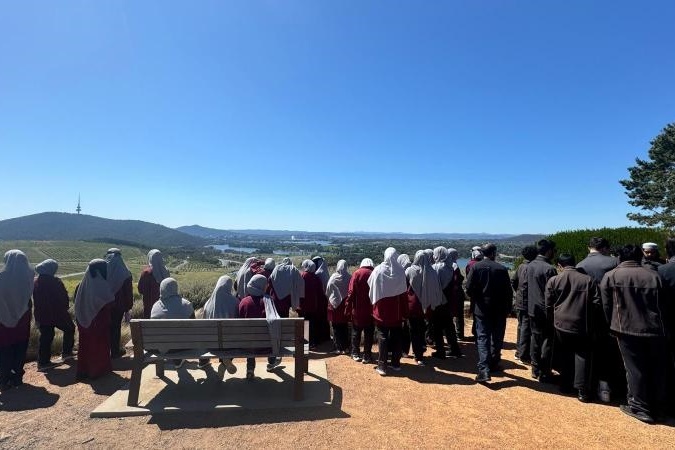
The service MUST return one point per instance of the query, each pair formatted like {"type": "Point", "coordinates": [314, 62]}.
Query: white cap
{"type": "Point", "coordinates": [649, 245]}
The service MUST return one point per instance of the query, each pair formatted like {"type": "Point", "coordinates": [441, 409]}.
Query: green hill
{"type": "Point", "coordinates": [54, 226]}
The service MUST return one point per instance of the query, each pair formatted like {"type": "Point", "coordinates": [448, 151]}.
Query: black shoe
{"type": "Point", "coordinates": [546, 378]}
{"type": "Point", "coordinates": [639, 415]}
{"type": "Point", "coordinates": [583, 396]}
{"type": "Point", "coordinates": [438, 355]}
{"type": "Point", "coordinates": [455, 354]}
{"type": "Point", "coordinates": [483, 377]}
{"type": "Point", "coordinates": [535, 375]}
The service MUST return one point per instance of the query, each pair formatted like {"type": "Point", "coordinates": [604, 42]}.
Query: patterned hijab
{"type": "Point", "coordinates": [16, 288]}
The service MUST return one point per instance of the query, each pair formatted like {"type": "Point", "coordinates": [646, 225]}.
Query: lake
{"type": "Point", "coordinates": [224, 247]}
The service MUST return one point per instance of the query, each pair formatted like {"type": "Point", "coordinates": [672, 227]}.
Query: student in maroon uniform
{"type": "Point", "coordinates": [390, 308]}
{"type": "Point", "coordinates": [119, 278]}
{"type": "Point", "coordinates": [51, 305]}
{"type": "Point", "coordinates": [359, 308]}
{"type": "Point", "coordinates": [253, 307]}
{"type": "Point", "coordinates": [338, 287]}
{"type": "Point", "coordinates": [252, 266]}
{"type": "Point", "coordinates": [16, 287]}
{"type": "Point", "coordinates": [93, 299]}
{"type": "Point", "coordinates": [321, 272]}
{"type": "Point", "coordinates": [424, 292]}
{"type": "Point", "coordinates": [286, 286]}
{"type": "Point", "coordinates": [310, 304]}
{"type": "Point", "coordinates": [151, 276]}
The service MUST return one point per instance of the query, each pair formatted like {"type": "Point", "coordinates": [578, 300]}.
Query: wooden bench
{"type": "Point", "coordinates": [156, 340]}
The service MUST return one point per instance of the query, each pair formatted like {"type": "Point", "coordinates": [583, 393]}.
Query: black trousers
{"type": "Point", "coordinates": [459, 324]}
{"type": "Point", "coordinates": [574, 353]}
{"type": "Point", "coordinates": [315, 330]}
{"type": "Point", "coordinates": [608, 365]}
{"type": "Point", "coordinates": [47, 337]}
{"type": "Point", "coordinates": [524, 336]}
{"type": "Point", "coordinates": [389, 340]}
{"type": "Point", "coordinates": [368, 337]}
{"type": "Point", "coordinates": [340, 336]}
{"type": "Point", "coordinates": [115, 332]}
{"type": "Point", "coordinates": [645, 360]}
{"type": "Point", "coordinates": [541, 345]}
{"type": "Point", "coordinates": [405, 338]}
{"type": "Point", "coordinates": [12, 358]}
{"type": "Point", "coordinates": [418, 329]}
{"type": "Point", "coordinates": [443, 326]}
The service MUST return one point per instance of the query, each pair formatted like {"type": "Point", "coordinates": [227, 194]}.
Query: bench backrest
{"type": "Point", "coordinates": [221, 334]}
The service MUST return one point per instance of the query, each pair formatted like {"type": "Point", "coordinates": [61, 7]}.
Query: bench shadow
{"type": "Point", "coordinates": [238, 416]}
{"type": "Point", "coordinates": [27, 397]}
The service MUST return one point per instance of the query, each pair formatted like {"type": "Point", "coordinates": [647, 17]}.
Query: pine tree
{"type": "Point", "coordinates": [651, 186]}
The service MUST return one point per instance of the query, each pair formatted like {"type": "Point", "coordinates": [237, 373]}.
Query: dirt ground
{"type": "Point", "coordinates": [425, 407]}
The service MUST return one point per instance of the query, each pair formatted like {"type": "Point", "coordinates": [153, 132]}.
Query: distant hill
{"type": "Point", "coordinates": [213, 233]}
{"type": "Point", "coordinates": [55, 226]}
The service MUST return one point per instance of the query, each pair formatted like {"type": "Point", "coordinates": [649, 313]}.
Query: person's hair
{"type": "Point", "coordinates": [489, 250]}
{"type": "Point", "coordinates": [544, 245]}
{"type": "Point", "coordinates": [630, 252]}
{"type": "Point", "coordinates": [566, 260]}
{"type": "Point", "coordinates": [529, 252]}
{"type": "Point", "coordinates": [670, 247]}
{"type": "Point", "coordinates": [598, 243]}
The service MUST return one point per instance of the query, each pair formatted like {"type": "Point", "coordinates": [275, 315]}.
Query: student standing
{"type": "Point", "coordinates": [119, 278]}
{"type": "Point", "coordinates": [336, 291]}
{"type": "Point", "coordinates": [16, 288]}
{"type": "Point", "coordinates": [286, 286]}
{"type": "Point", "coordinates": [359, 308]}
{"type": "Point", "coordinates": [519, 284]}
{"type": "Point", "coordinates": [151, 276]}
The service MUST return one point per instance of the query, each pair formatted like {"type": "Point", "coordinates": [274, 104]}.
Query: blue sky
{"type": "Point", "coordinates": [439, 116]}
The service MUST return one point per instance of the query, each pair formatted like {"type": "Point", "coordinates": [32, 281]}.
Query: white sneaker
{"type": "Point", "coordinates": [380, 371]}
{"type": "Point", "coordinates": [356, 358]}
{"type": "Point", "coordinates": [274, 365]}
{"type": "Point", "coordinates": [420, 363]}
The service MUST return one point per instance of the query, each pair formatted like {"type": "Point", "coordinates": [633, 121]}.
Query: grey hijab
{"type": "Point", "coordinates": [269, 264]}
{"type": "Point", "coordinates": [256, 286]}
{"type": "Point", "coordinates": [118, 272]}
{"type": "Point", "coordinates": [243, 276]}
{"type": "Point", "coordinates": [321, 271]}
{"type": "Point", "coordinates": [156, 262]}
{"type": "Point", "coordinates": [452, 258]}
{"type": "Point", "coordinates": [442, 267]}
{"type": "Point", "coordinates": [16, 288]}
{"type": "Point", "coordinates": [170, 304]}
{"type": "Point", "coordinates": [286, 280]}
{"type": "Point", "coordinates": [404, 260]}
{"type": "Point", "coordinates": [222, 304]}
{"type": "Point", "coordinates": [308, 266]}
{"type": "Point", "coordinates": [388, 278]}
{"type": "Point", "coordinates": [47, 267]}
{"type": "Point", "coordinates": [93, 293]}
{"type": "Point", "coordinates": [424, 282]}
{"type": "Point", "coordinates": [338, 284]}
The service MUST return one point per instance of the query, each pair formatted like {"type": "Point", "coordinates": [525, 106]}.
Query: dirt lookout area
{"type": "Point", "coordinates": [437, 406]}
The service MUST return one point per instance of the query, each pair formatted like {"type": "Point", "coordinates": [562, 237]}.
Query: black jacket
{"type": "Point", "coordinates": [519, 284]}
{"type": "Point", "coordinates": [490, 288]}
{"type": "Point", "coordinates": [539, 270]}
{"type": "Point", "coordinates": [597, 265]}
{"type": "Point", "coordinates": [571, 299]}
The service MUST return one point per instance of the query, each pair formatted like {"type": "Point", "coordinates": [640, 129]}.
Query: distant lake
{"type": "Point", "coordinates": [302, 241]}
{"type": "Point", "coordinates": [224, 247]}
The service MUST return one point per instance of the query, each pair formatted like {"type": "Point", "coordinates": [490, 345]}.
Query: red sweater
{"type": "Point", "coordinates": [252, 308]}
{"type": "Point", "coordinates": [391, 311]}
{"type": "Point", "coordinates": [148, 287]}
{"type": "Point", "coordinates": [312, 300]}
{"type": "Point", "coordinates": [51, 301]}
{"type": "Point", "coordinates": [358, 305]}
{"type": "Point", "coordinates": [124, 298]}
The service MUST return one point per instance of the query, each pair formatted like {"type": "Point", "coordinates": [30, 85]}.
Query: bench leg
{"type": "Point", "coordinates": [159, 369]}
{"type": "Point", "coordinates": [135, 384]}
{"type": "Point", "coordinates": [298, 393]}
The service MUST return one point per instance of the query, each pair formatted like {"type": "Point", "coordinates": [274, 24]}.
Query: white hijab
{"type": "Point", "coordinates": [424, 281]}
{"type": "Point", "coordinates": [16, 288]}
{"type": "Point", "coordinates": [118, 272]}
{"type": "Point", "coordinates": [222, 304]}
{"type": "Point", "coordinates": [156, 262]}
{"type": "Point", "coordinates": [338, 284]}
{"type": "Point", "coordinates": [243, 275]}
{"type": "Point", "coordinates": [286, 280]}
{"type": "Point", "coordinates": [367, 262]}
{"type": "Point", "coordinates": [388, 278]}
{"type": "Point", "coordinates": [170, 304]}
{"type": "Point", "coordinates": [404, 260]}
{"type": "Point", "coordinates": [92, 295]}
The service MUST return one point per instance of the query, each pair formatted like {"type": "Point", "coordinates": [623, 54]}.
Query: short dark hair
{"type": "Point", "coordinates": [529, 252]}
{"type": "Point", "coordinates": [630, 252]}
{"type": "Point", "coordinates": [566, 260]}
{"type": "Point", "coordinates": [598, 243]}
{"type": "Point", "coordinates": [544, 245]}
{"type": "Point", "coordinates": [670, 247]}
{"type": "Point", "coordinates": [489, 250]}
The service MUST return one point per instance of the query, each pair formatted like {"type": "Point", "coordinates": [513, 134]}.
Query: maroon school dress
{"type": "Point", "coordinates": [148, 287]}
{"type": "Point", "coordinates": [16, 334]}
{"type": "Point", "coordinates": [93, 358]}
{"type": "Point", "coordinates": [358, 305]}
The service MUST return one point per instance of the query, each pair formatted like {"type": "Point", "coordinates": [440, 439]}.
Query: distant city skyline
{"type": "Point", "coordinates": [462, 117]}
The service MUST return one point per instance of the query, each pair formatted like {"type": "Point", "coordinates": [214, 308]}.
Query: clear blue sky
{"type": "Point", "coordinates": [441, 116]}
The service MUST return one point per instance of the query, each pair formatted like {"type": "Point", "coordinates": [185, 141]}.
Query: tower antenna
{"type": "Point", "coordinates": [78, 209]}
